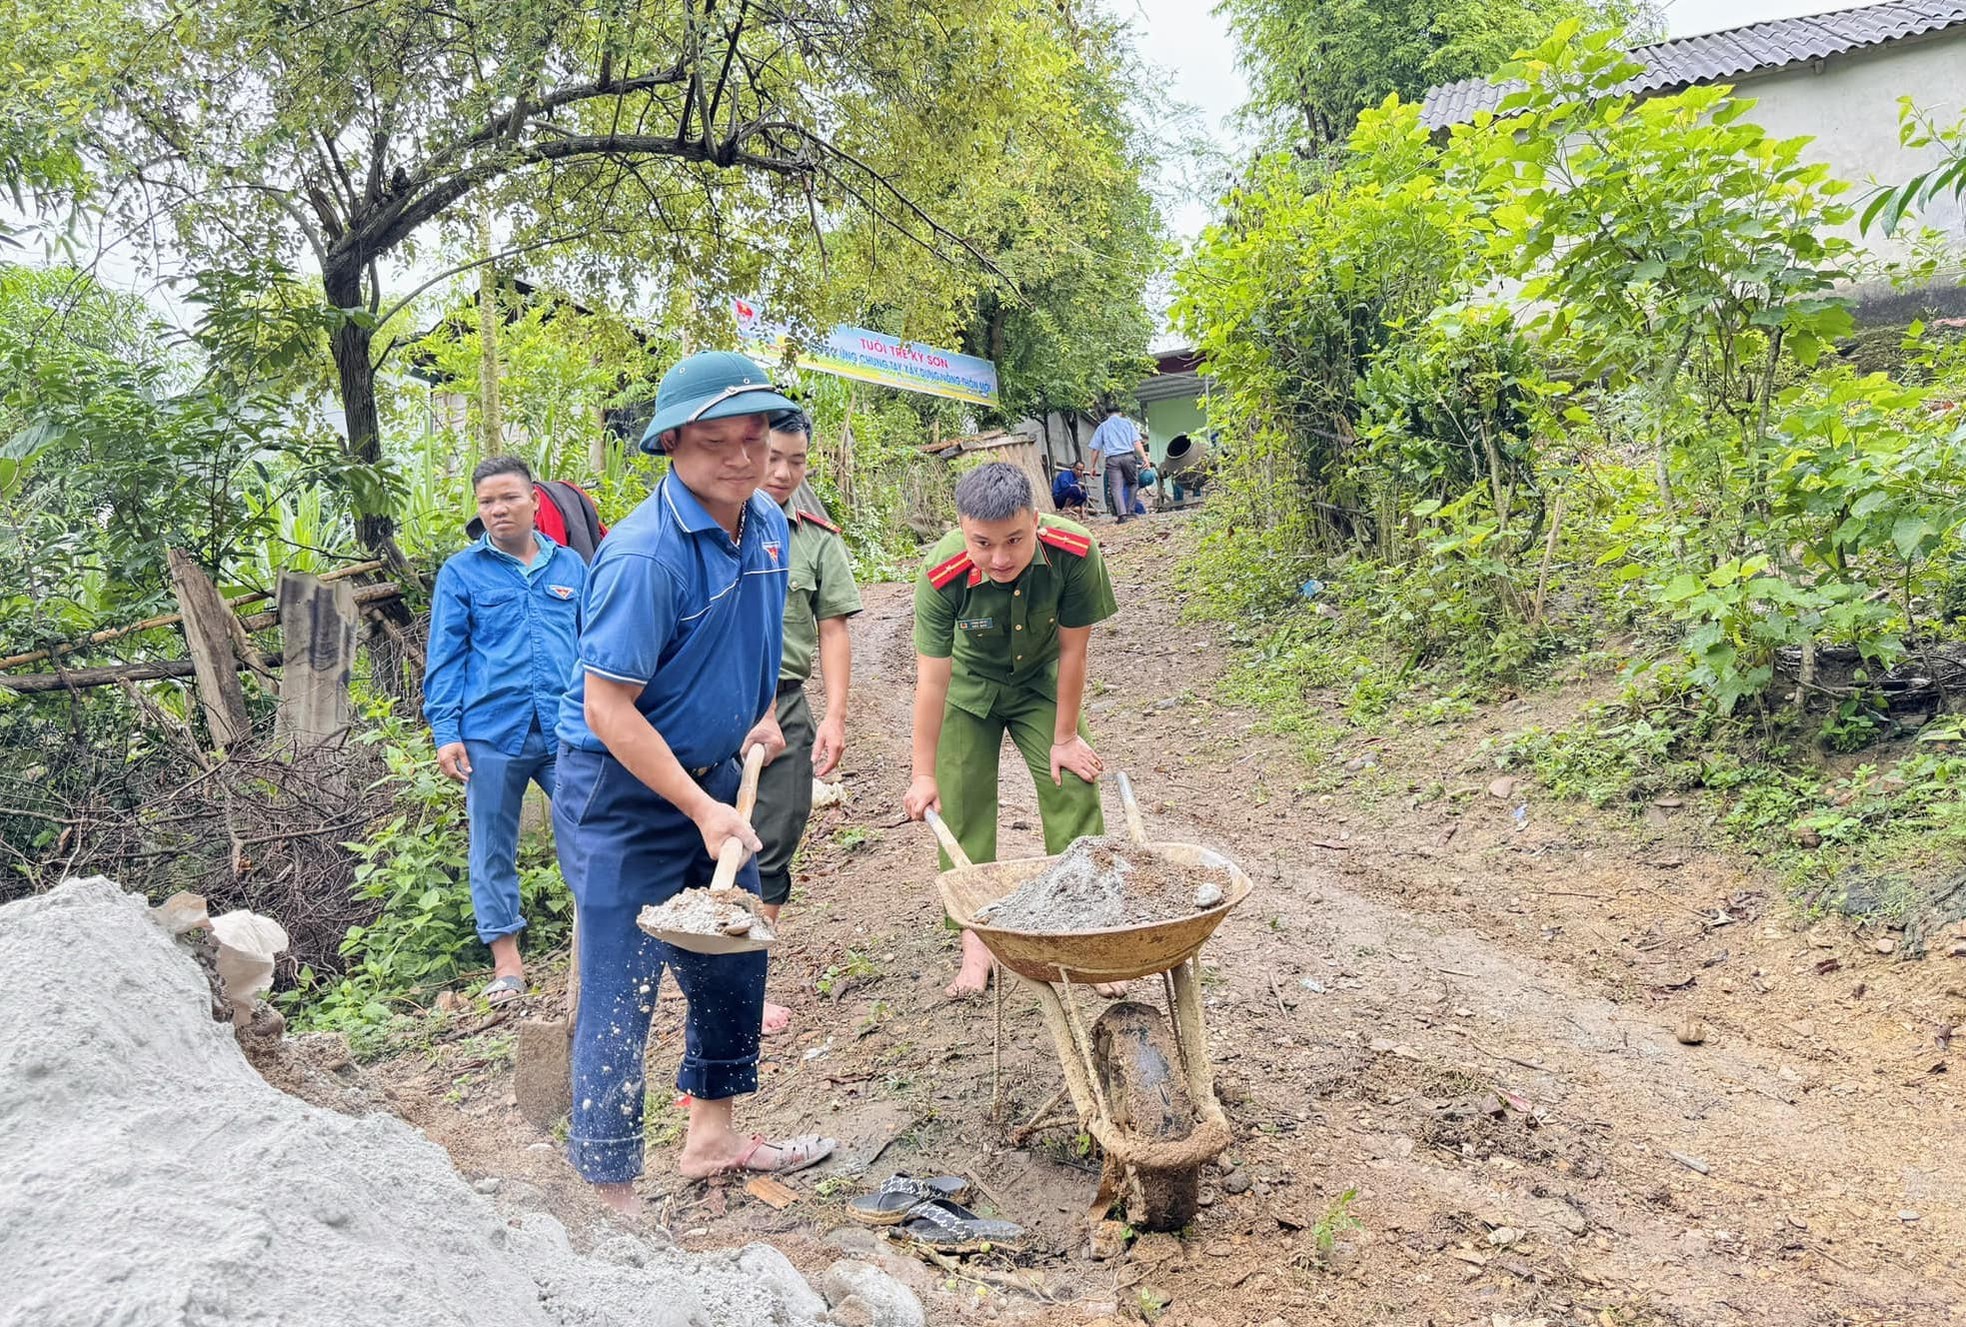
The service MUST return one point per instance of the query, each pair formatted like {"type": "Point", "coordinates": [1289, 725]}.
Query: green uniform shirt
{"type": "Point", "coordinates": [820, 586]}
{"type": "Point", "coordinates": [1006, 636]}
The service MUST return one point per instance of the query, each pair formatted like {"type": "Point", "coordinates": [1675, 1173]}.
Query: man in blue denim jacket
{"type": "Point", "coordinates": [504, 631]}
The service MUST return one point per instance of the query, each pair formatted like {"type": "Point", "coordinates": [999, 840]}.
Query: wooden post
{"type": "Point", "coordinates": [209, 634]}
{"type": "Point", "coordinates": [317, 626]}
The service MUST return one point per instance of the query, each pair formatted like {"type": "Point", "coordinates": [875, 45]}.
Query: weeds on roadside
{"type": "Point", "coordinates": [839, 977]}
{"type": "Point", "coordinates": [1337, 1220]}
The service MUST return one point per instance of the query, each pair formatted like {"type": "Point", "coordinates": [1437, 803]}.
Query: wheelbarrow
{"type": "Point", "coordinates": [1143, 1090]}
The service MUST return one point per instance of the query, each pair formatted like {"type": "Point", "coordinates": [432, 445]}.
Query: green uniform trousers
{"type": "Point", "coordinates": [966, 772]}
{"type": "Point", "coordinates": [785, 797]}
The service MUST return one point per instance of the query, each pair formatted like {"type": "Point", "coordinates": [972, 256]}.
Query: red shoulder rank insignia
{"type": "Point", "coordinates": [944, 575]}
{"type": "Point", "coordinates": [818, 520]}
{"type": "Point", "coordinates": [1077, 545]}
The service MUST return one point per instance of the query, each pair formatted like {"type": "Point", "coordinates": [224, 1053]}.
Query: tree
{"type": "Point", "coordinates": [655, 135]}
{"type": "Point", "coordinates": [1313, 65]}
{"type": "Point", "coordinates": [116, 446]}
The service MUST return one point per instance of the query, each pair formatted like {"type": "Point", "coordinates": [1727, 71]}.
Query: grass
{"type": "Point", "coordinates": [840, 977]}
{"type": "Point", "coordinates": [663, 1122]}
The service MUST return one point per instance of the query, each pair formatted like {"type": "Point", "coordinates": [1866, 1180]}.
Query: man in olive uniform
{"type": "Point", "coordinates": [1004, 610]}
{"type": "Point", "coordinates": [821, 597]}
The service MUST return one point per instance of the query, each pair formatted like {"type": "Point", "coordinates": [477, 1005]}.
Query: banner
{"type": "Point", "coordinates": [855, 352]}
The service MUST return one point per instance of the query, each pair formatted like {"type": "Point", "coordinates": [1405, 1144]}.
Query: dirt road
{"type": "Point", "coordinates": [1462, 1014]}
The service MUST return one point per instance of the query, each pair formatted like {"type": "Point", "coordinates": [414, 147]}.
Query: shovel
{"type": "Point", "coordinates": [543, 1060]}
{"type": "Point", "coordinates": [721, 884]}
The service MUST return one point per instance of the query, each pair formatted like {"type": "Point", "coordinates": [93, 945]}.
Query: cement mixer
{"type": "Point", "coordinates": [1184, 470]}
{"type": "Point", "coordinates": [1185, 453]}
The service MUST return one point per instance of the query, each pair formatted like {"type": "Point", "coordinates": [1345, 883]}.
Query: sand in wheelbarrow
{"type": "Point", "coordinates": [1097, 884]}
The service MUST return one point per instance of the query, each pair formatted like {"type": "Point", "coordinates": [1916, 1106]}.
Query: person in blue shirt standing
{"type": "Point", "coordinates": [504, 619]}
{"type": "Point", "coordinates": [1124, 447]}
{"type": "Point", "coordinates": [683, 626]}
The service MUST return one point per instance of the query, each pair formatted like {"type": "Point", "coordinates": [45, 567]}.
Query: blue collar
{"type": "Point", "coordinates": [684, 507]}
{"type": "Point", "coordinates": [543, 543]}
{"type": "Point", "coordinates": [692, 518]}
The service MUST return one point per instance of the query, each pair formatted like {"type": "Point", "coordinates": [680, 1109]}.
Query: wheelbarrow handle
{"type": "Point", "coordinates": [945, 837]}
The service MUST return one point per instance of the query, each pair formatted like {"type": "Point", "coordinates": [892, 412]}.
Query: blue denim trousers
{"type": "Point", "coordinates": [493, 796]}
{"type": "Point", "coordinates": [621, 847]}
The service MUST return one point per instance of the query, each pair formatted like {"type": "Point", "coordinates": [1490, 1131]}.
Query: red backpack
{"type": "Point", "coordinates": [567, 516]}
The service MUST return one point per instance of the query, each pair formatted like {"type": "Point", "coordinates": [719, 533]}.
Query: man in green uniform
{"type": "Point", "coordinates": [820, 597]}
{"type": "Point", "coordinates": [1004, 610]}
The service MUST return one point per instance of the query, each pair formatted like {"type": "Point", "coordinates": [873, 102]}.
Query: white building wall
{"type": "Point", "coordinates": [1848, 104]}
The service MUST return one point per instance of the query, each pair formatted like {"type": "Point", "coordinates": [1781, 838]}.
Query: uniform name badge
{"type": "Point", "coordinates": [976, 623]}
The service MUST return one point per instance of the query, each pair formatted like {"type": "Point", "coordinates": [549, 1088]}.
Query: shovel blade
{"type": "Point", "coordinates": [543, 1071]}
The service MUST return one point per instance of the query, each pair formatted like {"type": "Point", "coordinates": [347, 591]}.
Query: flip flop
{"type": "Point", "coordinates": [793, 1154]}
{"type": "Point", "coordinates": [502, 990]}
{"type": "Point", "coordinates": [949, 1227]}
{"type": "Point", "coordinates": [900, 1194]}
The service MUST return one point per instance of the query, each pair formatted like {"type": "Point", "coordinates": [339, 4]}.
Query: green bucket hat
{"type": "Point", "coordinates": [715, 384]}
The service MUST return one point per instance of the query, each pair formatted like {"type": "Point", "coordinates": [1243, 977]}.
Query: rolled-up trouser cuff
{"type": "Point", "coordinates": [713, 1080]}
{"type": "Point", "coordinates": [606, 1160]}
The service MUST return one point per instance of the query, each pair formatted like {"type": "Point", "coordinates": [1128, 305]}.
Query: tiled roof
{"type": "Point", "coordinates": [1730, 53]}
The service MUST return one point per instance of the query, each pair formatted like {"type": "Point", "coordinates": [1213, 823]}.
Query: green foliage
{"type": "Point", "coordinates": [968, 172]}
{"type": "Point", "coordinates": [1649, 422]}
{"type": "Point", "coordinates": [840, 977]}
{"type": "Point", "coordinates": [1919, 130]}
{"type": "Point", "coordinates": [414, 868]}
{"type": "Point", "coordinates": [560, 367]}
{"type": "Point", "coordinates": [1314, 65]}
{"type": "Point", "coordinates": [1336, 1220]}
{"type": "Point", "coordinates": [116, 446]}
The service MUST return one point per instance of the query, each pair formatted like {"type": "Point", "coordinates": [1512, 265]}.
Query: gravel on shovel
{"type": "Point", "coordinates": [700, 912]}
{"type": "Point", "coordinates": [1097, 884]}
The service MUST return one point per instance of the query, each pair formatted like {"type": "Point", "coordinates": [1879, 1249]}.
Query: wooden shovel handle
{"type": "Point", "coordinates": [948, 840]}
{"type": "Point", "coordinates": [732, 855]}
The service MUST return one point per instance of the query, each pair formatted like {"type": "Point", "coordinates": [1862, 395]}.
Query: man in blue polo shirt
{"type": "Point", "coordinates": [683, 625]}
{"type": "Point", "coordinates": [1123, 448]}
{"type": "Point", "coordinates": [504, 619]}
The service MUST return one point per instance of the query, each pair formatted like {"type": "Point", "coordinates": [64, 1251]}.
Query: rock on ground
{"type": "Point", "coordinates": [859, 1292]}
{"type": "Point", "coordinates": [149, 1175]}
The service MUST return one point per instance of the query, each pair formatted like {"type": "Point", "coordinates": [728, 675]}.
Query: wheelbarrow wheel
{"type": "Point", "coordinates": [1147, 1095]}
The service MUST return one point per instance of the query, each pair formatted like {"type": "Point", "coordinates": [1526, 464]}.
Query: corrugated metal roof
{"type": "Point", "coordinates": [1730, 53]}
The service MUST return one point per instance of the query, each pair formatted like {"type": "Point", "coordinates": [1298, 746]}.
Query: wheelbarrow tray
{"type": "Point", "coordinates": [1119, 953]}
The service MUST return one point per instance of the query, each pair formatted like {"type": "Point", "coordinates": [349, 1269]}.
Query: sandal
{"type": "Point", "coordinates": [947, 1227]}
{"type": "Point", "coordinates": [901, 1194]}
{"type": "Point", "coordinates": [503, 990]}
{"type": "Point", "coordinates": [793, 1154]}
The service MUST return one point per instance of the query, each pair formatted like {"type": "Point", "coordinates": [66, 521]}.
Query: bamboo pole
{"type": "Point", "coordinates": [167, 620]}
{"type": "Point", "coordinates": [152, 670]}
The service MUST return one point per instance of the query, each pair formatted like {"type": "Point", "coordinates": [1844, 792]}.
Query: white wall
{"type": "Point", "coordinates": [1849, 105]}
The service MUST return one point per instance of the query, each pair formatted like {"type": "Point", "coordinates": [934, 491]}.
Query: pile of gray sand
{"type": "Point", "coordinates": [148, 1175]}
{"type": "Point", "coordinates": [1101, 883]}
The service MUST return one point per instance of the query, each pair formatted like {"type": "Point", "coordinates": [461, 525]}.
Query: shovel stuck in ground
{"type": "Point", "coordinates": [543, 1061]}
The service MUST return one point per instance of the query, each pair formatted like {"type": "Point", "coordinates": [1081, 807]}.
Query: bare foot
{"type": "Point", "coordinates": [757, 1156]}
{"type": "Point", "coordinates": [505, 958]}
{"type": "Point", "coordinates": [621, 1197]}
{"type": "Point", "coordinates": [1112, 990]}
{"type": "Point", "coordinates": [974, 978]}
{"type": "Point", "coordinates": [777, 1018]}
